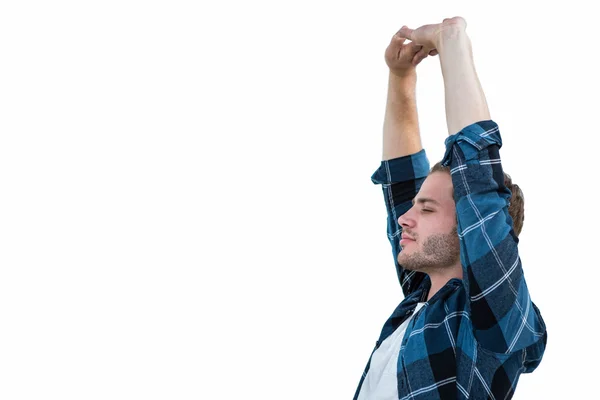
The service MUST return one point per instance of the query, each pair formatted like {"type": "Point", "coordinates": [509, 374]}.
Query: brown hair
{"type": "Point", "coordinates": [516, 205]}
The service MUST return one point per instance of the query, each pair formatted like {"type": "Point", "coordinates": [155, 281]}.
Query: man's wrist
{"type": "Point", "coordinates": [403, 87]}
{"type": "Point", "coordinates": [405, 82]}
{"type": "Point", "coordinates": [408, 76]}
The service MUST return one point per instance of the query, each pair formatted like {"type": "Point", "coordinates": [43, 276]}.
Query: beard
{"type": "Point", "coordinates": [440, 251]}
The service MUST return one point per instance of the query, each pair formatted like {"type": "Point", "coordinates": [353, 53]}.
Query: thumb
{"type": "Point", "coordinates": [405, 32]}
{"type": "Point", "coordinates": [397, 40]}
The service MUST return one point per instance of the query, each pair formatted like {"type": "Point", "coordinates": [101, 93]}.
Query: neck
{"type": "Point", "coordinates": [441, 277]}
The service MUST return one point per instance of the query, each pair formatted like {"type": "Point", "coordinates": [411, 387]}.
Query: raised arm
{"type": "Point", "coordinates": [503, 315]}
{"type": "Point", "coordinates": [465, 100]}
{"type": "Point", "coordinates": [404, 165]}
{"type": "Point", "coordinates": [401, 135]}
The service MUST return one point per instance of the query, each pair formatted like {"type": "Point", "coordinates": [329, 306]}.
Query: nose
{"type": "Point", "coordinates": [406, 220]}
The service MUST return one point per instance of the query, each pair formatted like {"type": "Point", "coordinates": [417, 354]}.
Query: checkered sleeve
{"type": "Point", "coordinates": [504, 318]}
{"type": "Point", "coordinates": [401, 178]}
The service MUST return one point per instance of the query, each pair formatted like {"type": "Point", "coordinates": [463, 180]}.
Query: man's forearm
{"type": "Point", "coordinates": [401, 135]}
{"type": "Point", "coordinates": [465, 100]}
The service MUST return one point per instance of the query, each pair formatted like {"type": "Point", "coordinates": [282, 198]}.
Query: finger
{"type": "Point", "coordinates": [414, 48]}
{"type": "Point", "coordinates": [433, 52]}
{"type": "Point", "coordinates": [398, 40]}
{"type": "Point", "coordinates": [405, 32]}
{"type": "Point", "coordinates": [419, 56]}
{"type": "Point", "coordinates": [417, 60]}
{"type": "Point", "coordinates": [398, 33]}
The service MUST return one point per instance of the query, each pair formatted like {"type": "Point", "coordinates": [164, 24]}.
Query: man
{"type": "Point", "coordinates": [467, 327]}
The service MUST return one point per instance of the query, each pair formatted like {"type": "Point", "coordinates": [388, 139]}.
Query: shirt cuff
{"type": "Point", "coordinates": [472, 139]}
{"type": "Point", "coordinates": [402, 169]}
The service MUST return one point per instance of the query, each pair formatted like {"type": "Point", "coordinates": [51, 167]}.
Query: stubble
{"type": "Point", "coordinates": [439, 252]}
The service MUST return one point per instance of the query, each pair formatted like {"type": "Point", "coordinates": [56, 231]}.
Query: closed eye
{"type": "Point", "coordinates": [427, 210]}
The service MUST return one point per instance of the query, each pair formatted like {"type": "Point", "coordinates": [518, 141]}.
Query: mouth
{"type": "Point", "coordinates": [405, 240]}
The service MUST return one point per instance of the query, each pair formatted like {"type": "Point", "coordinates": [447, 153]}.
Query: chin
{"type": "Point", "coordinates": [404, 262]}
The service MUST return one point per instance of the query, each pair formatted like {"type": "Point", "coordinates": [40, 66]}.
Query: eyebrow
{"type": "Point", "coordinates": [423, 200]}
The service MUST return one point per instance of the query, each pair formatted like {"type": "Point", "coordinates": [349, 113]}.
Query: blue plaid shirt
{"type": "Point", "coordinates": [475, 336]}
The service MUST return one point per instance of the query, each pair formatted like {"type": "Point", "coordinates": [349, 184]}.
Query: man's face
{"type": "Point", "coordinates": [430, 241]}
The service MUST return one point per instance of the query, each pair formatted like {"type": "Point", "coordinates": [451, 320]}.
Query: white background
{"type": "Point", "coordinates": [186, 210]}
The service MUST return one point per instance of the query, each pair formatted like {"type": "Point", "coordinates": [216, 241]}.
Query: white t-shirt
{"type": "Point", "coordinates": [381, 382]}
